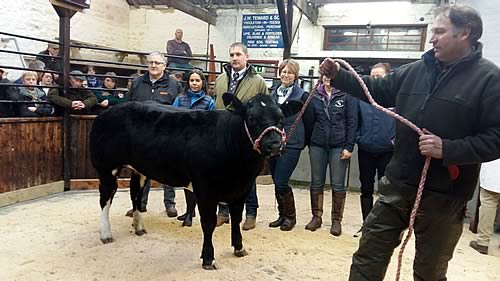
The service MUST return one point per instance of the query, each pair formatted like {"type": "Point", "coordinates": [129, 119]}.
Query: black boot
{"type": "Point", "coordinates": [186, 195]}
{"type": "Point", "coordinates": [281, 215]}
{"type": "Point", "coordinates": [317, 210]}
{"type": "Point", "coordinates": [338, 201]}
{"type": "Point", "coordinates": [288, 212]}
{"type": "Point", "coordinates": [190, 208]}
{"type": "Point", "coordinates": [366, 206]}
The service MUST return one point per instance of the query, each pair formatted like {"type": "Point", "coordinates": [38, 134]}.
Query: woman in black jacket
{"type": "Point", "coordinates": [332, 143]}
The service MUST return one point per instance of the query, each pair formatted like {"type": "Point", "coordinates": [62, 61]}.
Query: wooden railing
{"type": "Point", "coordinates": [30, 152]}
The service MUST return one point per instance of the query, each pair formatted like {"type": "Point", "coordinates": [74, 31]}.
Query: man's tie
{"type": "Point", "coordinates": [234, 82]}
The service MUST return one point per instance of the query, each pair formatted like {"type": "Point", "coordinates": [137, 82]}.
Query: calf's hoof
{"type": "Point", "coordinates": [107, 240]}
{"type": "Point", "coordinates": [240, 253]}
{"type": "Point", "coordinates": [209, 265]}
{"type": "Point", "coordinates": [140, 232]}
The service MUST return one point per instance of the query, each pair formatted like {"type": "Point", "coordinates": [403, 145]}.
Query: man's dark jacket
{"type": "Point", "coordinates": [52, 63]}
{"type": "Point", "coordinates": [164, 90]}
{"type": "Point", "coordinates": [459, 103]}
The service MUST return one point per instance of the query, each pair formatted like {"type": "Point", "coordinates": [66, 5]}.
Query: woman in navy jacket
{"type": "Point", "coordinates": [332, 143]}
{"type": "Point", "coordinates": [282, 167]}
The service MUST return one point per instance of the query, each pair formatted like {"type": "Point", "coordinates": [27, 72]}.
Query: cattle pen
{"type": "Point", "coordinates": [49, 202]}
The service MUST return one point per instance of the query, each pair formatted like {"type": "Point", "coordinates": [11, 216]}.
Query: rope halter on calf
{"type": "Point", "coordinates": [256, 143]}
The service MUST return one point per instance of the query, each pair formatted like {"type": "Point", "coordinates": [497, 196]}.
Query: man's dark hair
{"type": "Point", "coordinates": [462, 16]}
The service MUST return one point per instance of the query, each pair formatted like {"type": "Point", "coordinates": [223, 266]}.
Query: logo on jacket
{"type": "Point", "coordinates": [339, 103]}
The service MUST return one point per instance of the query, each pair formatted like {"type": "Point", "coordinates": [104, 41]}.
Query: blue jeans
{"type": "Point", "coordinates": [321, 157]}
{"type": "Point", "coordinates": [251, 204]}
{"type": "Point", "coordinates": [168, 194]}
{"type": "Point", "coordinates": [282, 169]}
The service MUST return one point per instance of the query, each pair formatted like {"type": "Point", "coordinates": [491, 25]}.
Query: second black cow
{"type": "Point", "coordinates": [220, 152]}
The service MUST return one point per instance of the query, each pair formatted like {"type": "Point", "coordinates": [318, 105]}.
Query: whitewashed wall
{"type": "Point", "coordinates": [489, 11]}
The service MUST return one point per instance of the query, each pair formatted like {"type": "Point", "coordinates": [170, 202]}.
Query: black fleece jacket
{"type": "Point", "coordinates": [459, 103]}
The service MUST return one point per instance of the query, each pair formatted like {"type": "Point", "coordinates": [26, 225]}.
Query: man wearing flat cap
{"type": "Point", "coordinates": [77, 99]}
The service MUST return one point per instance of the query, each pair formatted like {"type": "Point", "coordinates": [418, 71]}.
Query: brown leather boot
{"type": "Point", "coordinates": [317, 210]}
{"type": "Point", "coordinates": [338, 202]}
{"type": "Point", "coordinates": [289, 212]}
{"type": "Point", "coordinates": [281, 217]}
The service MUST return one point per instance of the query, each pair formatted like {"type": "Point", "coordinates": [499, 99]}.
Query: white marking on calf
{"type": "Point", "coordinates": [138, 222]}
{"type": "Point", "coordinates": [262, 103]}
{"type": "Point", "coordinates": [105, 226]}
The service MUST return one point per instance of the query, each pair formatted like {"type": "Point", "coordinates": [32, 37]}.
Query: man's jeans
{"type": "Point", "coordinates": [321, 157]}
{"type": "Point", "coordinates": [251, 204]}
{"type": "Point", "coordinates": [185, 66]}
{"type": "Point", "coordinates": [168, 194]}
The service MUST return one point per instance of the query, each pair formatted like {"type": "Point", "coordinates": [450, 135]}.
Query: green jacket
{"type": "Point", "coordinates": [87, 97]}
{"type": "Point", "coordinates": [251, 85]}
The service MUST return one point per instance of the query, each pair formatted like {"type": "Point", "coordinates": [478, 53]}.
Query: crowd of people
{"type": "Point", "coordinates": [452, 78]}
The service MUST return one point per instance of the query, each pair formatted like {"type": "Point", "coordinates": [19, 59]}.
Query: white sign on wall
{"type": "Point", "coordinates": [262, 31]}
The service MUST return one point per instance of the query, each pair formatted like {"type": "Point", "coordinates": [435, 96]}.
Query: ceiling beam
{"type": "Point", "coordinates": [310, 11]}
{"type": "Point", "coordinates": [237, 4]}
{"type": "Point", "coordinates": [193, 10]}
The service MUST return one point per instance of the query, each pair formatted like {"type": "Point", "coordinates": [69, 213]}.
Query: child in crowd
{"type": "Point", "coordinates": [109, 98]}
{"type": "Point", "coordinates": [195, 98]}
{"type": "Point", "coordinates": [92, 81]}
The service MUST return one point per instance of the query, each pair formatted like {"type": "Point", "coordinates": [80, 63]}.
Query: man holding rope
{"type": "Point", "coordinates": [453, 95]}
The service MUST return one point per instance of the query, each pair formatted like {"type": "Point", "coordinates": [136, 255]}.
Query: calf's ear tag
{"type": "Point", "coordinates": [262, 103]}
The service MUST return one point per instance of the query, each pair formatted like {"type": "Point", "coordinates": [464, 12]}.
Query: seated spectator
{"type": "Point", "coordinates": [5, 93]}
{"type": "Point", "coordinates": [78, 99]}
{"type": "Point", "coordinates": [53, 62]}
{"type": "Point", "coordinates": [177, 47]}
{"type": "Point", "coordinates": [131, 79]}
{"type": "Point", "coordinates": [47, 80]}
{"type": "Point", "coordinates": [92, 81]}
{"type": "Point", "coordinates": [33, 65]}
{"type": "Point", "coordinates": [31, 93]}
{"type": "Point", "coordinates": [110, 98]}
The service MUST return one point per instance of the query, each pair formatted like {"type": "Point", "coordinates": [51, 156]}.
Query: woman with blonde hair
{"type": "Point", "coordinates": [283, 167]}
{"type": "Point", "coordinates": [29, 92]}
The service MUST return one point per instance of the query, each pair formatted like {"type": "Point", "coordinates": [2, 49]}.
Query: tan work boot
{"type": "Point", "coordinates": [249, 223]}
{"type": "Point", "coordinates": [481, 249]}
{"type": "Point", "coordinates": [222, 220]}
